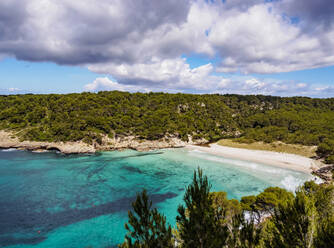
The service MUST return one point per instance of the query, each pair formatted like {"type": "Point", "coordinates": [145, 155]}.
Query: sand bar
{"type": "Point", "coordinates": [283, 160]}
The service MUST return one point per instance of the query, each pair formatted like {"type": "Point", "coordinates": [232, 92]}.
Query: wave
{"type": "Point", "coordinates": [291, 183]}
{"type": "Point", "coordinates": [8, 150]}
{"type": "Point", "coordinates": [196, 150]}
{"type": "Point", "coordinates": [317, 180]}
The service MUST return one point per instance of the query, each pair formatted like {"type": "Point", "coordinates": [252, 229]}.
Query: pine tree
{"type": "Point", "coordinates": [294, 223]}
{"type": "Point", "coordinates": [146, 226]}
{"type": "Point", "coordinates": [245, 233]}
{"type": "Point", "coordinates": [197, 221]}
{"type": "Point", "coordinates": [325, 237]}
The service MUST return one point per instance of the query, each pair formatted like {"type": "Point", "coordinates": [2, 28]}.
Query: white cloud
{"type": "Point", "coordinates": [201, 80]}
{"type": "Point", "coordinates": [12, 90]}
{"type": "Point", "coordinates": [162, 74]}
{"type": "Point", "coordinates": [140, 43]}
{"type": "Point", "coordinates": [86, 31]}
{"type": "Point", "coordinates": [104, 83]}
{"type": "Point", "coordinates": [262, 40]}
{"type": "Point", "coordinates": [251, 36]}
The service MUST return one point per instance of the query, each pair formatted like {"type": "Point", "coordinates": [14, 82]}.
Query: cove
{"type": "Point", "coordinates": [51, 200]}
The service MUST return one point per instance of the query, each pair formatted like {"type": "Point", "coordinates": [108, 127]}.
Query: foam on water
{"type": "Point", "coordinates": [291, 183]}
{"type": "Point", "coordinates": [51, 200]}
{"type": "Point", "coordinates": [8, 150]}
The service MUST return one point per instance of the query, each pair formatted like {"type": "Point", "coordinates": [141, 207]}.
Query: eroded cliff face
{"type": "Point", "coordinates": [8, 140]}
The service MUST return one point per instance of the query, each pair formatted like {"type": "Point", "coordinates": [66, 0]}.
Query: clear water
{"type": "Point", "coordinates": [50, 200]}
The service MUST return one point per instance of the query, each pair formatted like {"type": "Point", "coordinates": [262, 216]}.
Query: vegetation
{"type": "Point", "coordinates": [89, 116]}
{"type": "Point", "coordinates": [146, 226]}
{"type": "Point", "coordinates": [278, 146]}
{"type": "Point", "coordinates": [275, 218]}
{"type": "Point", "coordinates": [326, 149]}
{"type": "Point", "coordinates": [199, 224]}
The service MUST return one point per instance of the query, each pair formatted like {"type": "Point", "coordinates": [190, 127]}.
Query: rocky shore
{"type": "Point", "coordinates": [8, 140]}
{"type": "Point", "coordinates": [325, 173]}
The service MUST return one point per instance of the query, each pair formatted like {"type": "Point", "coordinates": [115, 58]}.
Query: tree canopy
{"type": "Point", "coordinates": [210, 219]}
{"type": "Point", "coordinates": [88, 116]}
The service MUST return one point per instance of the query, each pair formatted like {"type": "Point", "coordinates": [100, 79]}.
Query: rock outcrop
{"type": "Point", "coordinates": [132, 142]}
{"type": "Point", "coordinates": [8, 140]}
{"type": "Point", "coordinates": [325, 173]}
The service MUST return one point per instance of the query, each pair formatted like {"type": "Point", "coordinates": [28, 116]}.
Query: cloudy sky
{"type": "Point", "coordinates": [282, 47]}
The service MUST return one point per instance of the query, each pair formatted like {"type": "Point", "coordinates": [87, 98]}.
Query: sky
{"type": "Point", "coordinates": [270, 47]}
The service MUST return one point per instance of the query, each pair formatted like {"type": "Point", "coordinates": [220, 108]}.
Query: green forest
{"type": "Point", "coordinates": [275, 218]}
{"type": "Point", "coordinates": [88, 116]}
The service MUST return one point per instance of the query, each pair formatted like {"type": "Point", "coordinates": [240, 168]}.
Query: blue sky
{"type": "Point", "coordinates": [48, 77]}
{"type": "Point", "coordinates": [283, 47]}
{"type": "Point", "coordinates": [44, 77]}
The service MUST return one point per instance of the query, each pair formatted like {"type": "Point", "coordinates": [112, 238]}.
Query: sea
{"type": "Point", "coordinates": [53, 200]}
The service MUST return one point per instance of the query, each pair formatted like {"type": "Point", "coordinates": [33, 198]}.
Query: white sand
{"type": "Point", "coordinates": [283, 160]}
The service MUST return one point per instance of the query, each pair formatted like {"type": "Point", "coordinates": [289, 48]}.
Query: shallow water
{"type": "Point", "coordinates": [50, 200]}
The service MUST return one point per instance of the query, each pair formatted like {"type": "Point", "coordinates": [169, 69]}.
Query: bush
{"type": "Point", "coordinates": [330, 159]}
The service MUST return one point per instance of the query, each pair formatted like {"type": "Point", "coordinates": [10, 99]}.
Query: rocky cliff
{"type": "Point", "coordinates": [9, 140]}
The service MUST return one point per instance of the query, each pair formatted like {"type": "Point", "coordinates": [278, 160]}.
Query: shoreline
{"type": "Point", "coordinates": [8, 140]}
{"type": "Point", "coordinates": [277, 159]}
{"type": "Point", "coordinates": [271, 158]}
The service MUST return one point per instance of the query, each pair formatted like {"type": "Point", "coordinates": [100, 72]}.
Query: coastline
{"type": "Point", "coordinates": [278, 159]}
{"type": "Point", "coordinates": [8, 140]}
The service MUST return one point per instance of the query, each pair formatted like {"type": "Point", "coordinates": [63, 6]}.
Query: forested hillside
{"type": "Point", "coordinates": [87, 116]}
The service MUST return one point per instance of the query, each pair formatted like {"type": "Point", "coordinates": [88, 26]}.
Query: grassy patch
{"type": "Point", "coordinates": [307, 151]}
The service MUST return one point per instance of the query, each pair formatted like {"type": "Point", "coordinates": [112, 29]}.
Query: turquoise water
{"type": "Point", "coordinates": [50, 200]}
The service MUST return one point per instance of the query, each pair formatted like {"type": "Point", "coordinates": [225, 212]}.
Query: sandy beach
{"type": "Point", "coordinates": [283, 160]}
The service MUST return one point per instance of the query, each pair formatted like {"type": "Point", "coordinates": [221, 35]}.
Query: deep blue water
{"type": "Point", "coordinates": [51, 200]}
